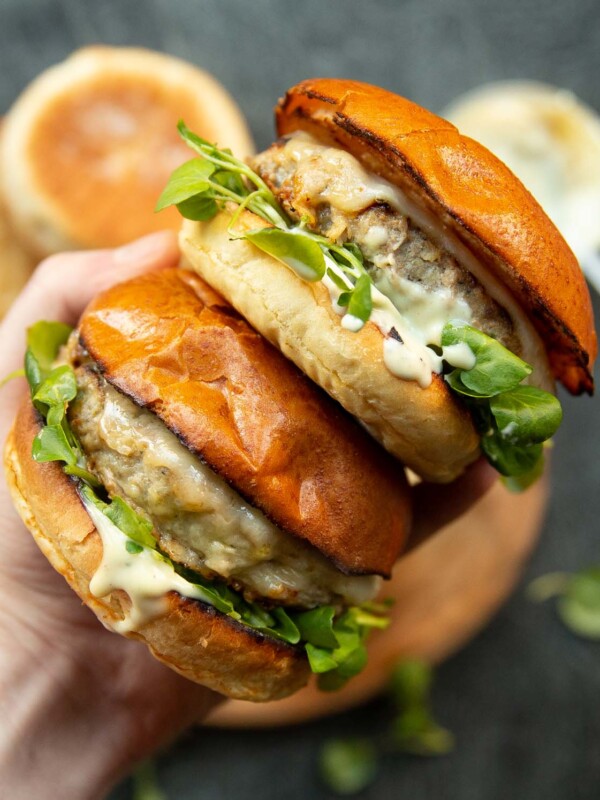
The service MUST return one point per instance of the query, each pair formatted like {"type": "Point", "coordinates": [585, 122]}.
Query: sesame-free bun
{"type": "Point", "coordinates": [425, 428]}
{"type": "Point", "coordinates": [173, 345]}
{"type": "Point", "coordinates": [190, 637]}
{"type": "Point", "coordinates": [474, 197]}
{"type": "Point", "coordinates": [89, 145]}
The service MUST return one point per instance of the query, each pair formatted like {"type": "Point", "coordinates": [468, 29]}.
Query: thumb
{"type": "Point", "coordinates": [61, 288]}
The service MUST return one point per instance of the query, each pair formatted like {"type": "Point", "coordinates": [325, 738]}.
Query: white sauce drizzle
{"type": "Point", "coordinates": [417, 314]}
{"type": "Point", "coordinates": [144, 576]}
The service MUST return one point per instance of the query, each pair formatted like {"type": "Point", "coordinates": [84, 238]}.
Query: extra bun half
{"type": "Point", "coordinates": [190, 637]}
{"type": "Point", "coordinates": [174, 346]}
{"type": "Point", "coordinates": [298, 318]}
{"type": "Point", "coordinates": [472, 194]}
{"type": "Point", "coordinates": [88, 146]}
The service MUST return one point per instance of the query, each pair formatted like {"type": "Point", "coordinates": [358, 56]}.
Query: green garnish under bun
{"type": "Point", "coordinates": [425, 289]}
{"type": "Point", "coordinates": [224, 486]}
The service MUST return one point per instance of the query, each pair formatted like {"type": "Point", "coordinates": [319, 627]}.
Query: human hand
{"type": "Point", "coordinates": [65, 678]}
{"type": "Point", "coordinates": [79, 705]}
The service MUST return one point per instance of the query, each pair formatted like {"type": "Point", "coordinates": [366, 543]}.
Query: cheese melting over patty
{"type": "Point", "coordinates": [201, 522]}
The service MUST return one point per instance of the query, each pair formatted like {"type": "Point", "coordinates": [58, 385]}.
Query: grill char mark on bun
{"type": "Point", "coordinates": [468, 190]}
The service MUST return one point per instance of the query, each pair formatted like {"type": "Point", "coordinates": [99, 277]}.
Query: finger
{"type": "Point", "coordinates": [64, 284]}
{"type": "Point", "coordinates": [61, 288]}
{"type": "Point", "coordinates": [437, 505]}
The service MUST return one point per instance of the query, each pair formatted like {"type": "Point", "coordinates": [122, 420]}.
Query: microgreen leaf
{"type": "Point", "coordinates": [414, 730]}
{"type": "Point", "coordinates": [187, 180]}
{"type": "Point", "coordinates": [338, 280]}
{"type": "Point", "coordinates": [508, 458]}
{"type": "Point", "coordinates": [298, 252]}
{"type": "Point", "coordinates": [145, 783]}
{"type": "Point", "coordinates": [348, 766]}
{"type": "Point", "coordinates": [578, 599]}
{"type": "Point", "coordinates": [361, 301]}
{"type": "Point", "coordinates": [58, 389]}
{"type": "Point", "coordinates": [44, 340]}
{"type": "Point", "coordinates": [133, 547]}
{"type": "Point", "coordinates": [33, 372]}
{"type": "Point", "coordinates": [496, 369]}
{"type": "Point", "coordinates": [320, 659]}
{"type": "Point", "coordinates": [519, 483]}
{"type": "Point", "coordinates": [231, 181]}
{"type": "Point", "coordinates": [82, 474]}
{"type": "Point", "coordinates": [286, 628]}
{"type": "Point", "coordinates": [316, 626]}
{"type": "Point", "coordinates": [51, 444]}
{"type": "Point", "coordinates": [579, 606]}
{"type": "Point", "coordinates": [130, 523]}
{"type": "Point", "coordinates": [526, 415]}
{"type": "Point", "coordinates": [199, 208]}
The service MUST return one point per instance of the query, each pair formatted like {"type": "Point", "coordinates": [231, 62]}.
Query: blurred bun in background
{"type": "Point", "coordinates": [88, 146]}
{"type": "Point", "coordinates": [551, 141]}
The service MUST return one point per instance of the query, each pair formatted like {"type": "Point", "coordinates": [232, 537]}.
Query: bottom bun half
{"type": "Point", "coordinates": [190, 637]}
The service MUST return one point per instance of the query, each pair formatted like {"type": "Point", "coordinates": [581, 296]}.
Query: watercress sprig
{"type": "Point", "coordinates": [514, 420]}
{"type": "Point", "coordinates": [203, 186]}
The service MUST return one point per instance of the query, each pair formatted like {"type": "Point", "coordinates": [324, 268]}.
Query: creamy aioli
{"type": "Point", "coordinates": [144, 576]}
{"type": "Point", "coordinates": [416, 314]}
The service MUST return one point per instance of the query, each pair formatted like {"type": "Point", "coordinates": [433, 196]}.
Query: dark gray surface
{"type": "Point", "coordinates": [524, 697]}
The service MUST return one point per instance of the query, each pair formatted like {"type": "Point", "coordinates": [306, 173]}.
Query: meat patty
{"type": "Point", "coordinates": [200, 521]}
{"type": "Point", "coordinates": [309, 180]}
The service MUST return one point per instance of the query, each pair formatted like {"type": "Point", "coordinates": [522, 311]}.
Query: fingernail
{"type": "Point", "coordinates": [146, 249]}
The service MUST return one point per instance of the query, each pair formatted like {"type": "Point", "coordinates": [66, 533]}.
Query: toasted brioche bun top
{"type": "Point", "coordinates": [472, 194]}
{"type": "Point", "coordinates": [173, 345]}
{"type": "Point", "coordinates": [90, 144]}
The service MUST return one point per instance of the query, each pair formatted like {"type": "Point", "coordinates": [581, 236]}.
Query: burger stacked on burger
{"type": "Point", "coordinates": [214, 502]}
{"type": "Point", "coordinates": [404, 269]}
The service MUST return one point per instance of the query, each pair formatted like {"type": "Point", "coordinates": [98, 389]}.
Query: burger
{"type": "Point", "coordinates": [403, 268]}
{"type": "Point", "coordinates": [200, 494]}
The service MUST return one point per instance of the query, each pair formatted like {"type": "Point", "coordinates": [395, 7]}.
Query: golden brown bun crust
{"type": "Point", "coordinates": [471, 192]}
{"type": "Point", "coordinates": [190, 637]}
{"type": "Point", "coordinates": [169, 342]}
{"type": "Point", "coordinates": [428, 429]}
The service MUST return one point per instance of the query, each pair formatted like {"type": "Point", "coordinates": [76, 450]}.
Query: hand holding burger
{"type": "Point", "coordinates": [62, 674]}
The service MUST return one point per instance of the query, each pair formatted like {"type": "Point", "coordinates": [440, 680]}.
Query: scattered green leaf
{"type": "Point", "coordinates": [145, 783]}
{"type": "Point", "coordinates": [578, 601]}
{"type": "Point", "coordinates": [414, 730]}
{"type": "Point", "coordinates": [347, 766]}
